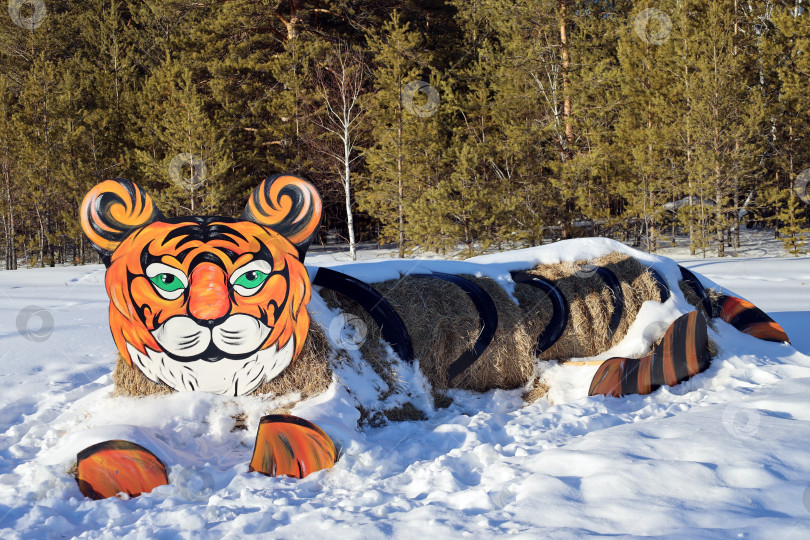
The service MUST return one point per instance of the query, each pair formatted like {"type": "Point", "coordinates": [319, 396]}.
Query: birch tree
{"type": "Point", "coordinates": [340, 83]}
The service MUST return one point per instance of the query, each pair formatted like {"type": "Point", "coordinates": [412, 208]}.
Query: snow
{"type": "Point", "coordinates": [722, 455]}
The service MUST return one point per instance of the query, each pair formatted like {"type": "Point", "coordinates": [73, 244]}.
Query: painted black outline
{"type": "Point", "coordinates": [487, 316]}
{"type": "Point", "coordinates": [383, 313]}
{"type": "Point", "coordinates": [617, 297]}
{"type": "Point", "coordinates": [663, 289]}
{"type": "Point", "coordinates": [559, 315]}
{"type": "Point", "coordinates": [697, 286]}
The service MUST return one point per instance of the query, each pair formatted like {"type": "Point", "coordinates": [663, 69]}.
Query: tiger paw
{"type": "Point", "coordinates": [112, 467]}
{"type": "Point", "coordinates": [681, 354]}
{"type": "Point", "coordinates": [290, 446]}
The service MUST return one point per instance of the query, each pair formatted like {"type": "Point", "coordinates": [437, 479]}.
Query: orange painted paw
{"type": "Point", "coordinates": [112, 467]}
{"type": "Point", "coordinates": [291, 446]}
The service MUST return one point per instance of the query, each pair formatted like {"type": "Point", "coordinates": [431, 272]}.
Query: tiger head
{"type": "Point", "coordinates": [206, 303]}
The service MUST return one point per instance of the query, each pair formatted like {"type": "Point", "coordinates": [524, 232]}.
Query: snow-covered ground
{"type": "Point", "coordinates": [725, 454]}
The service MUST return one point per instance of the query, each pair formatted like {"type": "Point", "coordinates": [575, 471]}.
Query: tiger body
{"type": "Point", "coordinates": [220, 305]}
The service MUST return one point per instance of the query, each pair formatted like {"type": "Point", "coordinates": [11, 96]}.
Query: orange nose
{"type": "Point", "coordinates": [208, 293]}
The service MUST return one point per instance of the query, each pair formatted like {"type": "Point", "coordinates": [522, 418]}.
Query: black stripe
{"type": "Point", "coordinates": [287, 419]}
{"type": "Point", "coordinates": [116, 444]}
{"type": "Point", "coordinates": [657, 366]}
{"type": "Point", "coordinates": [702, 343]}
{"type": "Point", "coordinates": [617, 297]}
{"type": "Point", "coordinates": [559, 315]}
{"type": "Point", "coordinates": [697, 286]}
{"type": "Point", "coordinates": [221, 231]}
{"type": "Point", "coordinates": [192, 231]}
{"type": "Point", "coordinates": [748, 317]}
{"type": "Point", "coordinates": [680, 329]}
{"type": "Point", "coordinates": [629, 376]}
{"type": "Point", "coordinates": [487, 316]}
{"type": "Point", "coordinates": [390, 323]}
{"type": "Point", "coordinates": [663, 289]}
{"type": "Point", "coordinates": [290, 224]}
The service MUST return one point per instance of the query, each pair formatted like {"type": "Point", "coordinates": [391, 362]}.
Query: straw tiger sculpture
{"type": "Point", "coordinates": [219, 304]}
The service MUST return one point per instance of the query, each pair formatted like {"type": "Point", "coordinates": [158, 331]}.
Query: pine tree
{"type": "Point", "coordinates": [8, 175]}
{"type": "Point", "coordinates": [793, 233]}
{"type": "Point", "coordinates": [727, 115]}
{"type": "Point", "coordinates": [786, 70]}
{"type": "Point", "coordinates": [646, 55]}
{"type": "Point", "coordinates": [183, 152]}
{"type": "Point", "coordinates": [401, 136]}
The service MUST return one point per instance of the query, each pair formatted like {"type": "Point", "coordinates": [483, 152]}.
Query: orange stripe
{"type": "Point", "coordinates": [112, 470]}
{"type": "Point", "coordinates": [273, 207]}
{"type": "Point", "coordinates": [129, 214]}
{"type": "Point", "coordinates": [766, 330]}
{"type": "Point", "coordinates": [733, 306]}
{"type": "Point", "coordinates": [288, 448]}
{"type": "Point", "coordinates": [669, 368]}
{"type": "Point", "coordinates": [691, 346]}
{"type": "Point", "coordinates": [644, 375]}
{"type": "Point", "coordinates": [608, 378]}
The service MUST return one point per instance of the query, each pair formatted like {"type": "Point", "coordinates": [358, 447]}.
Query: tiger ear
{"type": "Point", "coordinates": [112, 210]}
{"type": "Point", "coordinates": [288, 205]}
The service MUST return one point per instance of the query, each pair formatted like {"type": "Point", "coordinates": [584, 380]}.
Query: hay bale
{"type": "Point", "coordinates": [129, 381]}
{"type": "Point", "coordinates": [590, 303]}
{"type": "Point", "coordinates": [443, 323]}
{"type": "Point", "coordinates": [508, 362]}
{"type": "Point", "coordinates": [309, 374]}
{"type": "Point", "coordinates": [536, 391]}
{"type": "Point", "coordinates": [440, 318]}
{"type": "Point", "coordinates": [692, 297]}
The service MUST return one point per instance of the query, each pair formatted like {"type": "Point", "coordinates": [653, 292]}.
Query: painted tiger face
{"type": "Point", "coordinates": [206, 303]}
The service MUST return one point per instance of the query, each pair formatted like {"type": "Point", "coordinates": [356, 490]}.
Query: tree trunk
{"type": "Point", "coordinates": [11, 249]}
{"type": "Point", "coordinates": [687, 90]}
{"type": "Point", "coordinates": [565, 68]}
{"type": "Point", "coordinates": [347, 188]}
{"type": "Point", "coordinates": [400, 209]}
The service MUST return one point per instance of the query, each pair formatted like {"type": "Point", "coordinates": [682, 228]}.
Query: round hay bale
{"type": "Point", "coordinates": [129, 381]}
{"type": "Point", "coordinates": [693, 298]}
{"type": "Point", "coordinates": [371, 348]}
{"type": "Point", "coordinates": [441, 320]}
{"type": "Point", "coordinates": [590, 303]}
{"type": "Point", "coordinates": [309, 374]}
{"type": "Point", "coordinates": [443, 323]}
{"type": "Point", "coordinates": [508, 362]}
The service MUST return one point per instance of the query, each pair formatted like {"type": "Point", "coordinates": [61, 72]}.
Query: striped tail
{"type": "Point", "coordinates": [749, 319]}
{"type": "Point", "coordinates": [683, 353]}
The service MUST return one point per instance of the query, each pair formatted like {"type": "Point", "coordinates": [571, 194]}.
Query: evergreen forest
{"type": "Point", "coordinates": [454, 126]}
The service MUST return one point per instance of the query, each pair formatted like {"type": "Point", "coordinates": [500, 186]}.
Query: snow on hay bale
{"type": "Point", "coordinates": [443, 322]}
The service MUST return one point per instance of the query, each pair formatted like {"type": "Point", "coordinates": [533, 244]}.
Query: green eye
{"type": "Point", "coordinates": [167, 282]}
{"type": "Point", "coordinates": [251, 279]}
